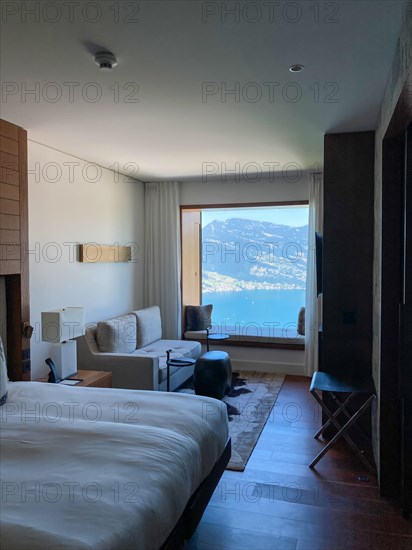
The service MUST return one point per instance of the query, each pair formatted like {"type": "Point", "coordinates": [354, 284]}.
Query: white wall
{"type": "Point", "coordinates": [66, 207]}
{"type": "Point", "coordinates": [226, 192]}
{"type": "Point", "coordinates": [276, 190]}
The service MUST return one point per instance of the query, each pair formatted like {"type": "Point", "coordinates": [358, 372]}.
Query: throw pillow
{"type": "Point", "coordinates": [198, 317]}
{"type": "Point", "coordinates": [117, 335]}
{"type": "Point", "coordinates": [3, 375]}
{"type": "Point", "coordinates": [301, 321]}
{"type": "Point", "coordinates": [149, 326]}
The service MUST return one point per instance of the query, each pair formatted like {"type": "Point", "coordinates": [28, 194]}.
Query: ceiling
{"type": "Point", "coordinates": [167, 51]}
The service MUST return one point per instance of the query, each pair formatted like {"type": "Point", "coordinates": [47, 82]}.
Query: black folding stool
{"type": "Point", "coordinates": [333, 385]}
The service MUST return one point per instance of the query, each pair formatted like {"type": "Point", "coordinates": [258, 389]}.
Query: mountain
{"type": "Point", "coordinates": [241, 254]}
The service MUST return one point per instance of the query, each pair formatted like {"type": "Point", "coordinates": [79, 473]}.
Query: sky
{"type": "Point", "coordinates": [295, 216]}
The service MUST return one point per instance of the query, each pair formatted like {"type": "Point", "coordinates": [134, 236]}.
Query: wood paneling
{"type": "Point", "coordinates": [9, 130]}
{"type": "Point", "coordinates": [9, 237]}
{"type": "Point", "coordinates": [391, 290]}
{"type": "Point", "coordinates": [8, 145]}
{"type": "Point", "coordinates": [191, 266]}
{"type": "Point", "coordinates": [394, 370]}
{"type": "Point", "coordinates": [9, 267]}
{"type": "Point", "coordinates": [348, 237]}
{"type": "Point", "coordinates": [9, 192]}
{"type": "Point", "coordinates": [25, 363]}
{"type": "Point", "coordinates": [9, 252]}
{"type": "Point", "coordinates": [10, 162]}
{"type": "Point", "coordinates": [14, 245]}
{"type": "Point", "coordinates": [9, 207]}
{"type": "Point", "coordinates": [9, 176]}
{"type": "Point", "coordinates": [348, 253]}
{"type": "Point", "coordinates": [9, 222]}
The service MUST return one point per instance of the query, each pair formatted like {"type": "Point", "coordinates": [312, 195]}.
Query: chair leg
{"type": "Point", "coordinates": [348, 415]}
{"type": "Point", "coordinates": [346, 436]}
{"type": "Point", "coordinates": [335, 414]}
{"type": "Point", "coordinates": [341, 433]}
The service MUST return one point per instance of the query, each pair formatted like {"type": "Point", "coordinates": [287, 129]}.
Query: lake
{"type": "Point", "coordinates": [279, 308]}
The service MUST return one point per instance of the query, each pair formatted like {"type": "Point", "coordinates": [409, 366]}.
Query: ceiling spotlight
{"type": "Point", "coordinates": [296, 68]}
{"type": "Point", "coordinates": [105, 60]}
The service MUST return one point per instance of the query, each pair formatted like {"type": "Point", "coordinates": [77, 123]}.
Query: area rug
{"type": "Point", "coordinates": [250, 401]}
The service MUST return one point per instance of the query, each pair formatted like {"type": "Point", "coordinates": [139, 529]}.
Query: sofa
{"type": "Point", "coordinates": [132, 348]}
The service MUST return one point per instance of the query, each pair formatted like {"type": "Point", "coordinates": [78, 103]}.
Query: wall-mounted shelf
{"type": "Point", "coordinates": [93, 253]}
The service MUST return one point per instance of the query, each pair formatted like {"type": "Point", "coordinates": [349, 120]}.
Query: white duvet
{"type": "Point", "coordinates": [101, 468]}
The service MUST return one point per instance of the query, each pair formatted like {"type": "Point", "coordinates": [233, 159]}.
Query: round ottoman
{"type": "Point", "coordinates": [213, 374]}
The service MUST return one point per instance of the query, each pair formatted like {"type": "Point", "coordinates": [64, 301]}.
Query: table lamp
{"type": "Point", "coordinates": [59, 327]}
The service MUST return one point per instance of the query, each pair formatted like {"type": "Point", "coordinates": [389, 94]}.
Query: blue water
{"type": "Point", "coordinates": [278, 308]}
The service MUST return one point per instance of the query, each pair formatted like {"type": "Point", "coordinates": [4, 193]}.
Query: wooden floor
{"type": "Point", "coordinates": [278, 503]}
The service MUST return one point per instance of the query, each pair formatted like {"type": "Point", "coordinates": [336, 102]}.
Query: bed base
{"type": "Point", "coordinates": [197, 504]}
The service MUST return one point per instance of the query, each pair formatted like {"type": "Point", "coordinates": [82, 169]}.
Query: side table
{"type": "Point", "coordinates": [89, 378]}
{"type": "Point", "coordinates": [215, 336]}
{"type": "Point", "coordinates": [186, 362]}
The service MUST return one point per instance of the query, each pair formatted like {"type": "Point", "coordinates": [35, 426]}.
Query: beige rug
{"type": "Point", "coordinates": [250, 402]}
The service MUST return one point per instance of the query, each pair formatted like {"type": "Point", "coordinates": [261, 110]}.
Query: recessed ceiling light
{"type": "Point", "coordinates": [296, 68]}
{"type": "Point", "coordinates": [105, 60]}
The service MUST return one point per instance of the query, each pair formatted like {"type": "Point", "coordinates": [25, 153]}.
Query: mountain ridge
{"type": "Point", "coordinates": [242, 254]}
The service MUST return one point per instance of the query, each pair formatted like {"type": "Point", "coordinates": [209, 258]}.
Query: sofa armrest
{"type": "Point", "coordinates": [128, 371]}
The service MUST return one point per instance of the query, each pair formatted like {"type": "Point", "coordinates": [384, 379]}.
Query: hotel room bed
{"type": "Point", "coordinates": [96, 468]}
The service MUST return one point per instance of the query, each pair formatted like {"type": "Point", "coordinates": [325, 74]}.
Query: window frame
{"type": "Point", "coordinates": [237, 340]}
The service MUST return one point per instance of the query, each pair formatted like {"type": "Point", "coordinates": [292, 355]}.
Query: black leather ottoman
{"type": "Point", "coordinates": [213, 374]}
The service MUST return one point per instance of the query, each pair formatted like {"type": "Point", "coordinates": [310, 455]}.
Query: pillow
{"type": "Point", "coordinates": [301, 321]}
{"type": "Point", "coordinates": [117, 335]}
{"type": "Point", "coordinates": [149, 326]}
{"type": "Point", "coordinates": [198, 317]}
{"type": "Point", "coordinates": [3, 375]}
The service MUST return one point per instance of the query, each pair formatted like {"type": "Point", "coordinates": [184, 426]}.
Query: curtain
{"type": "Point", "coordinates": [162, 254]}
{"type": "Point", "coordinates": [313, 306]}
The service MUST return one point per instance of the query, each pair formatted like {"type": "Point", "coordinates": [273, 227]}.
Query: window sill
{"type": "Point", "coordinates": [278, 340]}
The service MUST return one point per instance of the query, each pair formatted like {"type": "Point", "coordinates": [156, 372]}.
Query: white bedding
{"type": "Point", "coordinates": [101, 468]}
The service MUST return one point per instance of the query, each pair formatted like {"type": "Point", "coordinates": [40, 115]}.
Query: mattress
{"type": "Point", "coordinates": [98, 468]}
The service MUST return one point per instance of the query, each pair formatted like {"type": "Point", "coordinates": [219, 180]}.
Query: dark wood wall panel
{"type": "Point", "coordinates": [9, 237]}
{"type": "Point", "coordinates": [9, 191]}
{"type": "Point", "coordinates": [14, 245]}
{"type": "Point", "coordinates": [10, 162]}
{"type": "Point", "coordinates": [9, 222]}
{"type": "Point", "coordinates": [391, 292]}
{"type": "Point", "coordinates": [9, 267]}
{"type": "Point", "coordinates": [9, 130]}
{"type": "Point", "coordinates": [24, 260]}
{"type": "Point", "coordinates": [9, 207]}
{"type": "Point", "coordinates": [9, 176]}
{"type": "Point", "coordinates": [8, 145]}
{"type": "Point", "coordinates": [348, 252]}
{"type": "Point", "coordinates": [10, 252]}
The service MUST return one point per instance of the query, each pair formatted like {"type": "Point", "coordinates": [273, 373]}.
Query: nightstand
{"type": "Point", "coordinates": [90, 378]}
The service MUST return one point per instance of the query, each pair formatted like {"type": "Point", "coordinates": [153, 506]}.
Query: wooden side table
{"type": "Point", "coordinates": [89, 378]}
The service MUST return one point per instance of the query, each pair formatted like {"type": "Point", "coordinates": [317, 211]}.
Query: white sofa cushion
{"type": "Point", "coordinates": [117, 335]}
{"type": "Point", "coordinates": [179, 349]}
{"type": "Point", "coordinates": [149, 326]}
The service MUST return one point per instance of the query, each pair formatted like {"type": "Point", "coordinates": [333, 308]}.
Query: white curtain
{"type": "Point", "coordinates": [162, 254]}
{"type": "Point", "coordinates": [313, 307]}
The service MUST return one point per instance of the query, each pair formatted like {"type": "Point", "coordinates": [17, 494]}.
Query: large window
{"type": "Point", "coordinates": [250, 264]}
